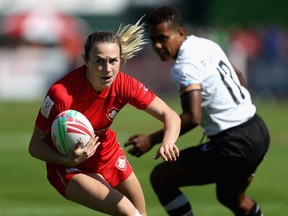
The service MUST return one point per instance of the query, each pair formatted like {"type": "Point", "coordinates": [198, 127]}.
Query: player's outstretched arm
{"type": "Point", "coordinates": [168, 150]}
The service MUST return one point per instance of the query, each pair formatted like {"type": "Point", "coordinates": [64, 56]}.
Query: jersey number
{"type": "Point", "coordinates": [228, 81]}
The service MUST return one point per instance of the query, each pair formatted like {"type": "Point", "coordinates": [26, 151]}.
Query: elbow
{"type": "Point", "coordinates": [31, 151]}
{"type": "Point", "coordinates": [195, 121]}
{"type": "Point", "coordinates": [179, 121]}
{"type": "Point", "coordinates": [188, 124]}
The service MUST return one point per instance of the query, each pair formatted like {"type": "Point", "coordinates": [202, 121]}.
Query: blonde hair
{"type": "Point", "coordinates": [132, 39]}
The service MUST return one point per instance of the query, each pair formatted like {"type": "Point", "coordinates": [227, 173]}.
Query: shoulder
{"type": "Point", "coordinates": [68, 83]}
{"type": "Point", "coordinates": [123, 76]}
{"type": "Point", "coordinates": [132, 89]}
{"type": "Point", "coordinates": [73, 77]}
{"type": "Point", "coordinates": [196, 45]}
{"type": "Point", "coordinates": [125, 80]}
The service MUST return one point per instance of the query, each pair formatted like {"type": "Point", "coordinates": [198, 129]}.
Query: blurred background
{"type": "Point", "coordinates": [39, 42]}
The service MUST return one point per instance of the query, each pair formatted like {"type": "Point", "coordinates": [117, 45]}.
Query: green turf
{"type": "Point", "coordinates": [24, 190]}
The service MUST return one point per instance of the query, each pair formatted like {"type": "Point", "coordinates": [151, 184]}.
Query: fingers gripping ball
{"type": "Point", "coordinates": [69, 128]}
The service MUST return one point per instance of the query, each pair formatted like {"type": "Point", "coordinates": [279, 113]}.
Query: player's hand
{"type": "Point", "coordinates": [139, 144]}
{"type": "Point", "coordinates": [80, 154]}
{"type": "Point", "coordinates": [168, 152]}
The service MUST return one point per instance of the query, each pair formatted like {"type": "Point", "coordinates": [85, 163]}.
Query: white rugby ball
{"type": "Point", "coordinates": [68, 128]}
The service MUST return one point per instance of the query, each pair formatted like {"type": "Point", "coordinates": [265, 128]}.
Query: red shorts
{"type": "Point", "coordinates": [115, 171]}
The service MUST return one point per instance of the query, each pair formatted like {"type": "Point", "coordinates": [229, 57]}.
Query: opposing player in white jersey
{"type": "Point", "coordinates": [213, 95]}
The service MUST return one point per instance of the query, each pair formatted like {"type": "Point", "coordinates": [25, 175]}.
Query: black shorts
{"type": "Point", "coordinates": [233, 154]}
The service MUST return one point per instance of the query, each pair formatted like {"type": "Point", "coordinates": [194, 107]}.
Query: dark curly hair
{"type": "Point", "coordinates": [165, 14]}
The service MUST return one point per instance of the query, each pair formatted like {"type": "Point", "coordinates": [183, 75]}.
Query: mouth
{"type": "Point", "coordinates": [163, 55]}
{"type": "Point", "coordinates": [107, 79]}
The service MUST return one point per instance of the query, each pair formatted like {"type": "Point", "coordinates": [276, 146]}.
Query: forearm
{"type": "Point", "coordinates": [172, 128]}
{"type": "Point", "coordinates": [44, 152]}
{"type": "Point", "coordinates": [186, 127]}
{"type": "Point", "coordinates": [156, 137]}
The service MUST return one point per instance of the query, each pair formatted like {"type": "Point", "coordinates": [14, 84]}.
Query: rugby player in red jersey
{"type": "Point", "coordinates": [99, 175]}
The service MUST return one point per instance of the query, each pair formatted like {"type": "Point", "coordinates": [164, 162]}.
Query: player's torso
{"type": "Point", "coordinates": [225, 103]}
{"type": "Point", "coordinates": [99, 108]}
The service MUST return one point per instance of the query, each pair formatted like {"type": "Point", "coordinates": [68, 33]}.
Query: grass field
{"type": "Point", "coordinates": [24, 190]}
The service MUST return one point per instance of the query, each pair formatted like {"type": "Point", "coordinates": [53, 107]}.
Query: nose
{"type": "Point", "coordinates": [108, 67]}
{"type": "Point", "coordinates": [157, 45]}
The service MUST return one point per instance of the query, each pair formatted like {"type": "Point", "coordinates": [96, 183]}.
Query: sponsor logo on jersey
{"type": "Point", "coordinates": [144, 88]}
{"type": "Point", "coordinates": [111, 114]}
{"type": "Point", "coordinates": [121, 163]}
{"type": "Point", "coordinates": [47, 106]}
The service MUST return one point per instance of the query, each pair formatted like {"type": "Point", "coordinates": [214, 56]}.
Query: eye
{"type": "Point", "coordinates": [159, 39]}
{"type": "Point", "coordinates": [162, 39]}
{"type": "Point", "coordinates": [100, 61]}
{"type": "Point", "coordinates": [113, 61]}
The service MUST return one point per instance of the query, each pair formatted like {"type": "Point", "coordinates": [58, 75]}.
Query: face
{"type": "Point", "coordinates": [103, 65]}
{"type": "Point", "coordinates": [166, 40]}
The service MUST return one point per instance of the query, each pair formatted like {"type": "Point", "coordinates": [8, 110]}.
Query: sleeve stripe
{"type": "Point", "coordinates": [190, 88]}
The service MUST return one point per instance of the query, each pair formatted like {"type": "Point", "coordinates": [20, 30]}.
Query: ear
{"type": "Point", "coordinates": [182, 32]}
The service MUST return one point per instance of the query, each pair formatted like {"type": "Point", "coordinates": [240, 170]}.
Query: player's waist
{"type": "Point", "coordinates": [244, 124]}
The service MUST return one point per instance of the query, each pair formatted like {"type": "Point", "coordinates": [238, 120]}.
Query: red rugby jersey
{"type": "Point", "coordinates": [73, 91]}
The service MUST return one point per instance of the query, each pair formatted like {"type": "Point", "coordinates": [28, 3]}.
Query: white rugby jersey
{"type": "Point", "coordinates": [225, 103]}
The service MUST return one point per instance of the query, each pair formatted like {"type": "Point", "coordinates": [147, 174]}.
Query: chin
{"type": "Point", "coordinates": [164, 58]}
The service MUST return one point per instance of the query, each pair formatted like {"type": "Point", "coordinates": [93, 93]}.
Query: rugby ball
{"type": "Point", "coordinates": [68, 128]}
